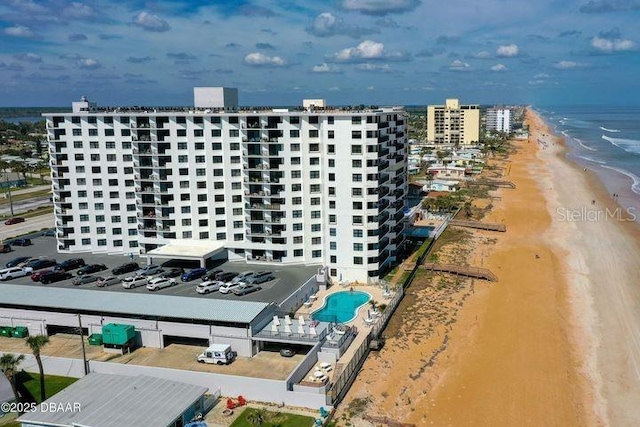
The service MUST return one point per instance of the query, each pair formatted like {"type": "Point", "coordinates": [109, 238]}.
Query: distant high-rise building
{"type": "Point", "coordinates": [453, 123]}
{"type": "Point", "coordinates": [314, 185]}
{"type": "Point", "coordinates": [499, 119]}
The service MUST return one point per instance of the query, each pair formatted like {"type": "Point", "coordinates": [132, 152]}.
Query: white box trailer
{"type": "Point", "coordinates": [220, 354]}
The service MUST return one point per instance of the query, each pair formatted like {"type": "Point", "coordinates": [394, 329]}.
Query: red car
{"type": "Point", "coordinates": [14, 220]}
{"type": "Point", "coordinates": [37, 275]}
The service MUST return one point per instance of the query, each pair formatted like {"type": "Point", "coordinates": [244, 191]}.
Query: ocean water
{"type": "Point", "coordinates": [606, 140]}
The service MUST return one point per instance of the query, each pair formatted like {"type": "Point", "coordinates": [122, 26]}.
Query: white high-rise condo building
{"type": "Point", "coordinates": [311, 185]}
{"type": "Point", "coordinates": [453, 123]}
{"type": "Point", "coordinates": [499, 119]}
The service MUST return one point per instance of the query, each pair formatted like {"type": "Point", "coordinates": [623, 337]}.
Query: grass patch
{"type": "Point", "coordinates": [26, 196]}
{"type": "Point", "coordinates": [42, 210]}
{"type": "Point", "coordinates": [272, 419]}
{"type": "Point", "coordinates": [53, 383]}
{"type": "Point", "coordinates": [392, 273]}
{"type": "Point", "coordinates": [422, 249]}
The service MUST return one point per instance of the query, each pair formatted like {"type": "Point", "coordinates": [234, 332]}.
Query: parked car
{"type": "Point", "coordinates": [55, 276]}
{"type": "Point", "coordinates": [226, 276]}
{"type": "Point", "coordinates": [242, 277]}
{"type": "Point", "coordinates": [287, 352]}
{"type": "Point", "coordinates": [209, 286]}
{"type": "Point", "coordinates": [16, 261]}
{"type": "Point", "coordinates": [228, 287]}
{"type": "Point", "coordinates": [92, 268]}
{"type": "Point", "coordinates": [160, 283]}
{"type": "Point", "coordinates": [193, 274]}
{"type": "Point", "coordinates": [107, 281]}
{"type": "Point", "coordinates": [14, 220]}
{"type": "Point", "coordinates": [149, 270]}
{"type": "Point", "coordinates": [14, 272]}
{"type": "Point", "coordinates": [50, 232]}
{"type": "Point", "coordinates": [40, 263]}
{"type": "Point", "coordinates": [4, 248]}
{"type": "Point", "coordinates": [70, 264]}
{"type": "Point", "coordinates": [85, 278]}
{"type": "Point", "coordinates": [260, 277]}
{"type": "Point", "coordinates": [125, 268]}
{"type": "Point", "coordinates": [133, 282]}
{"type": "Point", "coordinates": [20, 242]}
{"type": "Point", "coordinates": [36, 275]}
{"type": "Point", "coordinates": [246, 288]}
{"type": "Point", "coordinates": [173, 273]}
{"type": "Point", "coordinates": [211, 274]}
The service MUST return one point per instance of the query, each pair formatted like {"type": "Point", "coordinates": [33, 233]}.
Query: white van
{"type": "Point", "coordinates": [220, 354]}
{"type": "Point", "coordinates": [14, 272]}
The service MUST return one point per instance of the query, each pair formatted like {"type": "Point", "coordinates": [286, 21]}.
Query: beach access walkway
{"type": "Point", "coordinates": [462, 270]}
{"type": "Point", "coordinates": [479, 225]}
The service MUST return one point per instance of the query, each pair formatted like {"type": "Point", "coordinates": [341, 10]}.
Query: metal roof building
{"type": "Point", "coordinates": [101, 400]}
{"type": "Point", "coordinates": [145, 305]}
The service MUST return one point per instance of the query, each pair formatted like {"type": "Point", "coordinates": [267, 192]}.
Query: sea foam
{"type": "Point", "coordinates": [609, 130]}
{"type": "Point", "coordinates": [635, 187]}
{"type": "Point", "coordinates": [628, 145]}
{"type": "Point", "coordinates": [589, 159]}
{"type": "Point", "coordinates": [579, 141]}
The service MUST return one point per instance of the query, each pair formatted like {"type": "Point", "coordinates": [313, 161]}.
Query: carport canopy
{"type": "Point", "coordinates": [188, 249]}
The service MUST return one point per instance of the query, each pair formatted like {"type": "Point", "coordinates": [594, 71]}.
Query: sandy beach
{"type": "Point", "coordinates": [554, 342]}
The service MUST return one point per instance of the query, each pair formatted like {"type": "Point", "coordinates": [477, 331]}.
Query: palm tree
{"type": "Point", "coordinates": [9, 365]}
{"type": "Point", "coordinates": [36, 343]}
{"type": "Point", "coordinates": [258, 417]}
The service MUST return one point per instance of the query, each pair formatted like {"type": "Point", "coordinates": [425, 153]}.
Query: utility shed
{"type": "Point", "coordinates": [101, 400]}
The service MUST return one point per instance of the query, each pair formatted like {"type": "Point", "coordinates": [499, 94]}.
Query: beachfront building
{"type": "Point", "coordinates": [443, 171]}
{"type": "Point", "coordinates": [443, 185]}
{"type": "Point", "coordinates": [453, 123]}
{"type": "Point", "coordinates": [310, 185]}
{"type": "Point", "coordinates": [499, 119]}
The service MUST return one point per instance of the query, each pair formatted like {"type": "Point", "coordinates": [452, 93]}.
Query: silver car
{"type": "Point", "coordinates": [107, 281]}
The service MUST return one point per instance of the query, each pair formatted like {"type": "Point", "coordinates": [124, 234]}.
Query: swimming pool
{"type": "Point", "coordinates": [341, 307]}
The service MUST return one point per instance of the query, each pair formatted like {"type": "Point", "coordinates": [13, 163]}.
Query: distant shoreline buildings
{"type": "Point", "coordinates": [453, 123]}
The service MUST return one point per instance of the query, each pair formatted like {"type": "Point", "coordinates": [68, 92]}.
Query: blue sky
{"type": "Point", "coordinates": [411, 52]}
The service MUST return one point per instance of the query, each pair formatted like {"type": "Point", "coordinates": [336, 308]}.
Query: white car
{"type": "Point", "coordinates": [229, 287]}
{"type": "Point", "coordinates": [133, 282]}
{"type": "Point", "coordinates": [209, 286]}
{"type": "Point", "coordinates": [14, 272]}
{"type": "Point", "coordinates": [160, 283]}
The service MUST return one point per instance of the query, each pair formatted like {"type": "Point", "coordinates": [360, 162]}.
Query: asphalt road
{"type": "Point", "coordinates": [25, 205]}
{"type": "Point", "coordinates": [34, 224]}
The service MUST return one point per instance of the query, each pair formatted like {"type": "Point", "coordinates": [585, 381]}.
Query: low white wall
{"type": "Point", "coordinates": [301, 294]}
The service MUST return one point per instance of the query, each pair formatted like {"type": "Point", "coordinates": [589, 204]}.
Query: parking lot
{"type": "Point", "coordinates": [288, 278]}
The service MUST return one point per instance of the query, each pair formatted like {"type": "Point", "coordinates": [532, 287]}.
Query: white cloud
{"type": "Point", "coordinates": [499, 67]}
{"type": "Point", "coordinates": [373, 67]}
{"type": "Point", "coordinates": [615, 45]}
{"type": "Point", "coordinates": [151, 22]}
{"type": "Point", "coordinates": [79, 10]}
{"type": "Point", "coordinates": [458, 65]}
{"type": "Point", "coordinates": [380, 7]}
{"type": "Point", "coordinates": [19, 31]}
{"type": "Point", "coordinates": [327, 25]}
{"type": "Point", "coordinates": [482, 55]}
{"type": "Point", "coordinates": [88, 63]}
{"type": "Point", "coordinates": [371, 88]}
{"type": "Point", "coordinates": [258, 59]}
{"type": "Point", "coordinates": [366, 51]}
{"type": "Point", "coordinates": [325, 68]}
{"type": "Point", "coordinates": [567, 65]}
{"type": "Point", "coordinates": [507, 50]}
{"type": "Point", "coordinates": [28, 57]}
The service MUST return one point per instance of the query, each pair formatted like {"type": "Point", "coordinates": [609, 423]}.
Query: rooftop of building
{"type": "Point", "coordinates": [116, 400]}
{"type": "Point", "coordinates": [280, 111]}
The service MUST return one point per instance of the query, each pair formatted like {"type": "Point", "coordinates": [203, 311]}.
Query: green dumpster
{"type": "Point", "coordinates": [20, 332]}
{"type": "Point", "coordinates": [95, 339]}
{"type": "Point", "coordinates": [6, 331]}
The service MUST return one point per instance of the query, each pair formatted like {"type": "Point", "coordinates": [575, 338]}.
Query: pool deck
{"type": "Point", "coordinates": [377, 295]}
